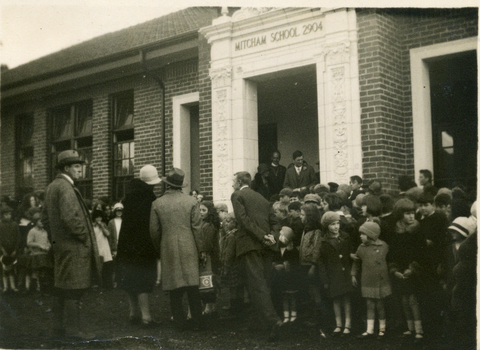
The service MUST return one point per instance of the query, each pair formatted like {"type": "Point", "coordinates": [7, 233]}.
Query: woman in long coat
{"type": "Point", "coordinates": [136, 255]}
{"type": "Point", "coordinates": [175, 226]}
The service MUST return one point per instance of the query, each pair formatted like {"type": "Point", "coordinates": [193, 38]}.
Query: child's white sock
{"type": "Point", "coordinates": [418, 329]}
{"type": "Point", "coordinates": [293, 316]}
{"type": "Point", "coordinates": [382, 325]}
{"type": "Point", "coordinates": [286, 316]}
{"type": "Point", "coordinates": [370, 326]}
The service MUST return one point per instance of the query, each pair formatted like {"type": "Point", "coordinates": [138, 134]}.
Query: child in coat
{"type": "Point", "coordinates": [101, 234]}
{"type": "Point", "coordinates": [335, 268]}
{"type": "Point", "coordinates": [405, 259]}
{"type": "Point", "coordinates": [309, 252]}
{"type": "Point", "coordinates": [375, 284]}
{"type": "Point", "coordinates": [286, 267]}
{"type": "Point", "coordinates": [39, 246]}
{"type": "Point", "coordinates": [231, 277]}
{"type": "Point", "coordinates": [9, 244]}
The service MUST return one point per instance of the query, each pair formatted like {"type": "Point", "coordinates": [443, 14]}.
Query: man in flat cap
{"type": "Point", "coordinates": [76, 260]}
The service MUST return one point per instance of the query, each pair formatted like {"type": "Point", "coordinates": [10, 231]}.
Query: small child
{"type": "Point", "coordinates": [9, 243]}
{"type": "Point", "coordinates": [230, 265]}
{"type": "Point", "coordinates": [39, 246]}
{"type": "Point", "coordinates": [334, 269]}
{"type": "Point", "coordinates": [101, 235]}
{"type": "Point", "coordinates": [295, 222]}
{"type": "Point", "coordinates": [287, 264]}
{"type": "Point", "coordinates": [372, 262]}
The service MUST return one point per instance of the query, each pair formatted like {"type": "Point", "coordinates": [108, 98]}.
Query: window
{"type": "Point", "coordinates": [24, 158]}
{"type": "Point", "coordinates": [123, 142]}
{"type": "Point", "coordinates": [72, 129]}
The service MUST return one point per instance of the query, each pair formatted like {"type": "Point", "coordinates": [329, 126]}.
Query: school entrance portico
{"type": "Point", "coordinates": [256, 46]}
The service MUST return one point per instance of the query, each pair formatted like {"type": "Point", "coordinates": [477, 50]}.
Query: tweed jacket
{"type": "Point", "coordinates": [67, 219]}
{"type": "Point", "coordinates": [176, 231]}
{"type": "Point", "coordinates": [255, 220]}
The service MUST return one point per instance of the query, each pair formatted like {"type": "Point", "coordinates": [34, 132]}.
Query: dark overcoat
{"type": "Point", "coordinates": [66, 217]}
{"type": "Point", "coordinates": [136, 255]}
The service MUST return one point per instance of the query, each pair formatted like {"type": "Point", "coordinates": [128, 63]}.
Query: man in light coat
{"type": "Point", "coordinates": [175, 228]}
{"type": "Point", "coordinates": [76, 261]}
{"type": "Point", "coordinates": [257, 233]}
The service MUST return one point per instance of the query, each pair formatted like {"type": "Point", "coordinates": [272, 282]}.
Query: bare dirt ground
{"type": "Point", "coordinates": [26, 320]}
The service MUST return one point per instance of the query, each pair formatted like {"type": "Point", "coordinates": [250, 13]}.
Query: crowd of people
{"type": "Point", "coordinates": [367, 261]}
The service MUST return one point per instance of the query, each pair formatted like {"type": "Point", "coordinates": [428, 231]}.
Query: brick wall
{"type": "Point", "coordinates": [385, 37]}
{"type": "Point", "coordinates": [205, 92]}
{"type": "Point", "coordinates": [41, 165]}
{"type": "Point", "coordinates": [102, 146]}
{"type": "Point", "coordinates": [8, 154]}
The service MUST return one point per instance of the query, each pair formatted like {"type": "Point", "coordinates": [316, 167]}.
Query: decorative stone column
{"type": "Point", "coordinates": [338, 100]}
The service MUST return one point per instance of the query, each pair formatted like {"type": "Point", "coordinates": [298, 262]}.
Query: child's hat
{"type": "Point", "coordinates": [371, 229]}
{"type": "Point", "coordinates": [329, 217]}
{"type": "Point", "coordinates": [221, 206]}
{"type": "Point", "coordinates": [311, 198]}
{"type": "Point", "coordinates": [286, 192]}
{"type": "Point", "coordinates": [117, 206]}
{"type": "Point", "coordinates": [287, 232]}
{"type": "Point", "coordinates": [465, 226]}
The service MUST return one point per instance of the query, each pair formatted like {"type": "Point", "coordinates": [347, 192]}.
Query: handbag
{"type": "Point", "coordinates": [206, 282]}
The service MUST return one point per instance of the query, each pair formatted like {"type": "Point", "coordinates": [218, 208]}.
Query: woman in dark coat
{"type": "Point", "coordinates": [136, 255]}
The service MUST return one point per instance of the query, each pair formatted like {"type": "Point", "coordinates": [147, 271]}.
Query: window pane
{"type": "Point", "coordinates": [26, 130]}
{"type": "Point", "coordinates": [125, 167]}
{"type": "Point", "coordinates": [132, 149]}
{"type": "Point", "coordinates": [83, 122]}
{"type": "Point", "coordinates": [123, 109]}
{"type": "Point", "coordinates": [118, 168]}
{"type": "Point", "coordinates": [62, 123]}
{"type": "Point", "coordinates": [126, 149]}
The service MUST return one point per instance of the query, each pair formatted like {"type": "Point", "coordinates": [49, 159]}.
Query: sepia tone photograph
{"type": "Point", "coordinates": [260, 175]}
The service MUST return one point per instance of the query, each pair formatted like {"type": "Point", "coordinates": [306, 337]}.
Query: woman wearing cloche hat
{"type": "Point", "coordinates": [136, 256]}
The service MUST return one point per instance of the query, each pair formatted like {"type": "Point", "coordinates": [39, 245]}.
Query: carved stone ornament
{"type": "Point", "coordinates": [221, 77]}
{"type": "Point", "coordinates": [339, 109]}
{"type": "Point", "coordinates": [337, 53]}
{"type": "Point", "coordinates": [221, 144]}
{"type": "Point", "coordinates": [247, 12]}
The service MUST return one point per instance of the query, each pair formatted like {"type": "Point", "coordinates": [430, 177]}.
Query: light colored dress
{"type": "Point", "coordinates": [102, 243]}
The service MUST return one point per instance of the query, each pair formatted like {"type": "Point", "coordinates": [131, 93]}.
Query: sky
{"type": "Point", "coordinates": [30, 29]}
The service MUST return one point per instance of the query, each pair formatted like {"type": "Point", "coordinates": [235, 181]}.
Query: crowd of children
{"type": "Point", "coordinates": [366, 263]}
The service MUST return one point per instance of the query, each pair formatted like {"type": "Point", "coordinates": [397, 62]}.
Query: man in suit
{"type": "Point", "coordinates": [300, 176]}
{"type": "Point", "coordinates": [276, 175]}
{"type": "Point", "coordinates": [258, 232]}
{"type": "Point", "coordinates": [76, 261]}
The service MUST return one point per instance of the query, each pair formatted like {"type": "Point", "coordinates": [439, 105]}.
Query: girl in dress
{"type": "Point", "coordinates": [375, 284]}
{"type": "Point", "coordinates": [101, 234]}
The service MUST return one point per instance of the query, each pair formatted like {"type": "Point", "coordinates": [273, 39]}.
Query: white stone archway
{"type": "Point", "coordinates": [257, 41]}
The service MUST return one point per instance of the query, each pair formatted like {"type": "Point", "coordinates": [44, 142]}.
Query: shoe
{"type": "Point", "coordinates": [381, 333]}
{"type": "Point", "coordinates": [149, 324]}
{"type": "Point", "coordinates": [323, 335]}
{"type": "Point", "coordinates": [134, 320]}
{"type": "Point", "coordinates": [365, 335]}
{"type": "Point", "coordinates": [275, 332]}
{"type": "Point", "coordinates": [407, 334]}
{"type": "Point", "coordinates": [337, 331]}
{"type": "Point", "coordinates": [346, 332]}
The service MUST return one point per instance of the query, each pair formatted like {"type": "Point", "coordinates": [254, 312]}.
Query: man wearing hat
{"type": "Point", "coordinates": [175, 228]}
{"type": "Point", "coordinates": [76, 260]}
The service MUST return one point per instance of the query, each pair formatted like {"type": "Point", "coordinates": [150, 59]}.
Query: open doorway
{"type": "Point", "coordinates": [453, 93]}
{"type": "Point", "coordinates": [288, 115]}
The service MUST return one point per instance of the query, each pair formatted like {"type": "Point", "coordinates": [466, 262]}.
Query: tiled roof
{"type": "Point", "coordinates": [140, 35]}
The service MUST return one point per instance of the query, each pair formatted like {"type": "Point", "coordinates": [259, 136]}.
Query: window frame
{"type": "Point", "coordinates": [121, 135]}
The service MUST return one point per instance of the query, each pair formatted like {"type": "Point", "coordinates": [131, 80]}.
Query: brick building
{"type": "Point", "coordinates": [372, 92]}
